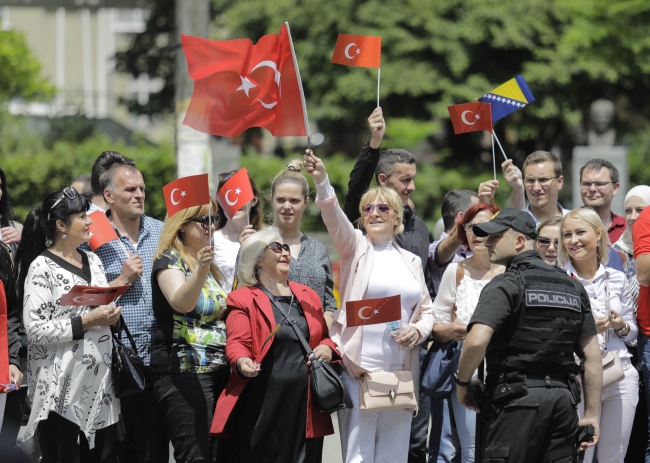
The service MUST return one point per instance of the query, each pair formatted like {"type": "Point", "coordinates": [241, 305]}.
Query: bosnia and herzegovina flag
{"type": "Point", "coordinates": [508, 98]}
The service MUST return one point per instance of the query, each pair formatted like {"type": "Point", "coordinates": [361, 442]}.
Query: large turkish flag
{"type": "Point", "coordinates": [238, 85]}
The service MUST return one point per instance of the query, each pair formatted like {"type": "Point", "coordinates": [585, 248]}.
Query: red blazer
{"type": "Point", "coordinates": [249, 321]}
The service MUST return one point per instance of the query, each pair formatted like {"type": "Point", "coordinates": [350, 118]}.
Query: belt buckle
{"type": "Point", "coordinates": [547, 381]}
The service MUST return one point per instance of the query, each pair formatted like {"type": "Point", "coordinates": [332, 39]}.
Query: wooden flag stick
{"type": "Point", "coordinates": [210, 224]}
{"type": "Point", "coordinates": [495, 137]}
{"type": "Point", "coordinates": [378, 81]}
{"type": "Point", "coordinates": [494, 161]}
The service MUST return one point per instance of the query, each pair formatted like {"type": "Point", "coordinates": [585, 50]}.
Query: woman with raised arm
{"type": "Point", "coordinates": [74, 409]}
{"type": "Point", "coordinates": [374, 266]}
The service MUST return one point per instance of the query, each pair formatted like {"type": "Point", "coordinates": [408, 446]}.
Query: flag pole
{"type": "Point", "coordinates": [378, 80]}
{"type": "Point", "coordinates": [210, 223]}
{"type": "Point", "coordinates": [302, 93]}
{"type": "Point", "coordinates": [494, 161]}
{"type": "Point", "coordinates": [495, 137]}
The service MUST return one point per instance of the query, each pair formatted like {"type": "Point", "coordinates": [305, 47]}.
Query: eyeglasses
{"type": "Point", "coordinates": [543, 181]}
{"type": "Point", "coordinates": [68, 192]}
{"type": "Point", "coordinates": [599, 185]}
{"type": "Point", "coordinates": [223, 177]}
{"type": "Point", "coordinates": [546, 242]}
{"type": "Point", "coordinates": [382, 208]}
{"type": "Point", "coordinates": [469, 227]}
{"type": "Point", "coordinates": [204, 221]}
{"type": "Point", "coordinates": [278, 248]}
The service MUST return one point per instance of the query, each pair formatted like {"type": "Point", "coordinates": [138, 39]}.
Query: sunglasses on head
{"type": "Point", "coordinates": [382, 208]}
{"type": "Point", "coordinates": [205, 221]}
{"type": "Point", "coordinates": [68, 192]}
{"type": "Point", "coordinates": [223, 177]}
{"type": "Point", "coordinates": [278, 248]}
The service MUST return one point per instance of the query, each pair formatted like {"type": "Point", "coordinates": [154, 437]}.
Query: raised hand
{"type": "Point", "coordinates": [314, 167]}
{"type": "Point", "coordinates": [377, 126]}
{"type": "Point", "coordinates": [204, 257]}
{"type": "Point", "coordinates": [513, 175]}
{"type": "Point", "coordinates": [486, 191]}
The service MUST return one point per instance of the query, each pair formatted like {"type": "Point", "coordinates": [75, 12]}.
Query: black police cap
{"type": "Point", "coordinates": [507, 218]}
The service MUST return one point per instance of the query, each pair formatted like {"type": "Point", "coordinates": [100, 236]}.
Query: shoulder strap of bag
{"type": "Point", "coordinates": [290, 321]}
{"type": "Point", "coordinates": [460, 273]}
{"type": "Point", "coordinates": [128, 335]}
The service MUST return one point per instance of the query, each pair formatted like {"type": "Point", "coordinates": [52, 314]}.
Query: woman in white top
{"type": "Point", "coordinates": [477, 272]}
{"type": "Point", "coordinates": [583, 252]}
{"type": "Point", "coordinates": [374, 266]}
{"type": "Point", "coordinates": [74, 408]}
{"type": "Point", "coordinates": [226, 236]}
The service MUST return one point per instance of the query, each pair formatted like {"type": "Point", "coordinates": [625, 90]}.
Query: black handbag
{"type": "Point", "coordinates": [128, 369]}
{"type": "Point", "coordinates": [327, 388]}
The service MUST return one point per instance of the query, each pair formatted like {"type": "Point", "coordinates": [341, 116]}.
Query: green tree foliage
{"type": "Point", "coordinates": [20, 71]}
{"type": "Point", "coordinates": [34, 170]}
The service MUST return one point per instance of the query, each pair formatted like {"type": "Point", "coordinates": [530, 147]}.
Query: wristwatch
{"type": "Point", "coordinates": [459, 382]}
{"type": "Point", "coordinates": [622, 330]}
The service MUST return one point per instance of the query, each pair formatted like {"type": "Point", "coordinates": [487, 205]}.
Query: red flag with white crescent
{"type": "Point", "coordinates": [373, 311]}
{"type": "Point", "coordinates": [186, 192]}
{"type": "Point", "coordinates": [92, 295]}
{"type": "Point", "coordinates": [471, 117]}
{"type": "Point", "coordinates": [357, 50]}
{"type": "Point", "coordinates": [235, 193]}
{"type": "Point", "coordinates": [101, 231]}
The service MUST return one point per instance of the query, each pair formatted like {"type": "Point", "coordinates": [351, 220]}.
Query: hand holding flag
{"type": "Point", "coordinates": [235, 193]}
{"type": "Point", "coordinates": [186, 192]}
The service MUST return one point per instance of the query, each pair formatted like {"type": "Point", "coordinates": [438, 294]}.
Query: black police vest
{"type": "Point", "coordinates": [542, 335]}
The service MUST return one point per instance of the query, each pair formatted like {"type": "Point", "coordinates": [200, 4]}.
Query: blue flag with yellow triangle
{"type": "Point", "coordinates": [508, 98]}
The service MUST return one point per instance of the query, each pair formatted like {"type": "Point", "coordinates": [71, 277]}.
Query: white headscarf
{"type": "Point", "coordinates": [625, 241]}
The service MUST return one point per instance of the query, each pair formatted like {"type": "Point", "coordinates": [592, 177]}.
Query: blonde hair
{"type": "Point", "coordinates": [292, 174]}
{"type": "Point", "coordinates": [170, 238]}
{"type": "Point", "coordinates": [390, 197]}
{"type": "Point", "coordinates": [586, 215]}
{"type": "Point", "coordinates": [252, 250]}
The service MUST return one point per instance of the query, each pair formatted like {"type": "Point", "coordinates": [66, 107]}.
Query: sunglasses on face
{"type": "Point", "coordinates": [205, 221]}
{"type": "Point", "coordinates": [278, 248]}
{"type": "Point", "coordinates": [382, 208]}
{"type": "Point", "coordinates": [69, 193]}
{"type": "Point", "coordinates": [546, 242]}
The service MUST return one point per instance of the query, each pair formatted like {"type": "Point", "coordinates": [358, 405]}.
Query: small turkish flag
{"type": "Point", "coordinates": [238, 85]}
{"type": "Point", "coordinates": [357, 50]}
{"type": "Point", "coordinates": [373, 311]}
{"type": "Point", "coordinates": [471, 117]}
{"type": "Point", "coordinates": [92, 295]}
{"type": "Point", "coordinates": [101, 231]}
{"type": "Point", "coordinates": [235, 193]}
{"type": "Point", "coordinates": [186, 192]}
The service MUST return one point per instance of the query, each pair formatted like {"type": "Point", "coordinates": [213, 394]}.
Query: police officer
{"type": "Point", "coordinates": [530, 320]}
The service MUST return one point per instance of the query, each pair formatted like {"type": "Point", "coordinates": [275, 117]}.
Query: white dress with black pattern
{"type": "Point", "coordinates": [69, 377]}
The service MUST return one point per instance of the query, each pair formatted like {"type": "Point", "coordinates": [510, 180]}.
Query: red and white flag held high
{"type": "Point", "coordinates": [471, 117]}
{"type": "Point", "coordinates": [186, 192]}
{"type": "Point", "coordinates": [235, 193]}
{"type": "Point", "coordinates": [101, 231]}
{"type": "Point", "coordinates": [373, 311]}
{"type": "Point", "coordinates": [357, 50]}
{"type": "Point", "coordinates": [238, 85]}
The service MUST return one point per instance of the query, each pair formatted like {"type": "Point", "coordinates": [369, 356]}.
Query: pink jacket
{"type": "Point", "coordinates": [357, 255]}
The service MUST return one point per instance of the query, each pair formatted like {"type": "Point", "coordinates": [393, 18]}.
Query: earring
{"type": "Point", "coordinates": [64, 236]}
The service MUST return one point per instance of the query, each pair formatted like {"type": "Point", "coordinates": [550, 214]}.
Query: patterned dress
{"type": "Point", "coordinates": [192, 342]}
{"type": "Point", "coordinates": [70, 377]}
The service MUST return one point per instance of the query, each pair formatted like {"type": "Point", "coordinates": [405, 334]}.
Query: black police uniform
{"type": "Point", "coordinates": [538, 314]}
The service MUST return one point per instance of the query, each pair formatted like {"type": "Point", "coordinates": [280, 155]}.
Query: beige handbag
{"type": "Point", "coordinates": [383, 390]}
{"type": "Point", "coordinates": [612, 367]}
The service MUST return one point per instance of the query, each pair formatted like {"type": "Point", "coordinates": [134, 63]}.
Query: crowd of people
{"type": "Point", "coordinates": [217, 310]}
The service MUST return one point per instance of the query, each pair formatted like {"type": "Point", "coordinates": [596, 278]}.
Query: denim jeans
{"type": "Point", "coordinates": [465, 426]}
{"type": "Point", "coordinates": [643, 350]}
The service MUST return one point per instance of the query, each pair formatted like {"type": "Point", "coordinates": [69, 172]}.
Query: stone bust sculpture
{"type": "Point", "coordinates": [601, 132]}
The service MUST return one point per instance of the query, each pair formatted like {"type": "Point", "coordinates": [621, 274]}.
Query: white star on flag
{"type": "Point", "coordinates": [237, 191]}
{"type": "Point", "coordinates": [90, 234]}
{"type": "Point", "coordinates": [183, 193]}
{"type": "Point", "coordinates": [376, 311]}
{"type": "Point", "coordinates": [477, 117]}
{"type": "Point", "coordinates": [358, 50]}
{"type": "Point", "coordinates": [246, 85]}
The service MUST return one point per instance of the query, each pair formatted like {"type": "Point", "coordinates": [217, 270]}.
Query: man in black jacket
{"type": "Point", "coordinates": [395, 168]}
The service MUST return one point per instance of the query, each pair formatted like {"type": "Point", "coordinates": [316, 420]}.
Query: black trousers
{"type": "Point", "coordinates": [540, 427]}
{"type": "Point", "coordinates": [187, 401]}
{"type": "Point", "coordinates": [13, 417]}
{"type": "Point", "coordinates": [144, 437]}
{"type": "Point", "coordinates": [58, 436]}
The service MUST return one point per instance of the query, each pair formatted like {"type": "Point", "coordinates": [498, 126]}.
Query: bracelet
{"type": "Point", "coordinates": [621, 330]}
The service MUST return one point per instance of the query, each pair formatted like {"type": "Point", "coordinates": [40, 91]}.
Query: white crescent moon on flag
{"type": "Point", "coordinates": [347, 50]}
{"type": "Point", "coordinates": [462, 116]}
{"type": "Point", "coordinates": [230, 203]}
{"type": "Point", "coordinates": [83, 299]}
{"type": "Point", "coordinates": [171, 197]}
{"type": "Point", "coordinates": [273, 66]}
{"type": "Point", "coordinates": [360, 313]}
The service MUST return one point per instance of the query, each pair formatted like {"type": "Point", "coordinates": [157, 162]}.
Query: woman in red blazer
{"type": "Point", "coordinates": [266, 405]}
